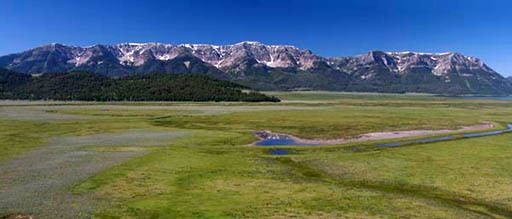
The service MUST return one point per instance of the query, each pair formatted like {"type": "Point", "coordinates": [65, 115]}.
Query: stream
{"type": "Point", "coordinates": [273, 139]}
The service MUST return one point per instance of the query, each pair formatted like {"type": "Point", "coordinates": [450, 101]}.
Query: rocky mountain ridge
{"type": "Point", "coordinates": [274, 67]}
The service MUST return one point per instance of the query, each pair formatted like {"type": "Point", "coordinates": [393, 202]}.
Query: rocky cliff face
{"type": "Point", "coordinates": [273, 66]}
{"type": "Point", "coordinates": [423, 72]}
{"type": "Point", "coordinates": [439, 64]}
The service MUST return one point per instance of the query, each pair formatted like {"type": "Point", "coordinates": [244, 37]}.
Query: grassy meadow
{"type": "Point", "coordinates": [211, 170]}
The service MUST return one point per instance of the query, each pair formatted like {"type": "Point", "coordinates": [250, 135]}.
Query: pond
{"type": "Point", "coordinates": [278, 152]}
{"type": "Point", "coordinates": [276, 142]}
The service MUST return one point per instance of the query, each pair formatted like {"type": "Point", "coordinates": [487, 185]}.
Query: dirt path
{"type": "Point", "coordinates": [293, 140]}
{"type": "Point", "coordinates": [38, 182]}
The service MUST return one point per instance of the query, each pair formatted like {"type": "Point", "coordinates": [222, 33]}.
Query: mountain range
{"type": "Point", "coordinates": [273, 67]}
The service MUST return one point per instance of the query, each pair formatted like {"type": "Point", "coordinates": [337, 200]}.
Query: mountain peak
{"type": "Point", "coordinates": [250, 43]}
{"type": "Point", "coordinates": [421, 53]}
{"type": "Point", "coordinates": [378, 69]}
{"type": "Point", "coordinates": [54, 46]}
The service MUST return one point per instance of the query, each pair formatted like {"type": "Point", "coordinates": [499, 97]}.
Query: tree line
{"type": "Point", "coordinates": [87, 86]}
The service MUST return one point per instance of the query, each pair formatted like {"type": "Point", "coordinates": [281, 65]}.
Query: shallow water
{"type": "Point", "coordinates": [423, 140]}
{"type": "Point", "coordinates": [281, 142]}
{"type": "Point", "coordinates": [270, 139]}
{"type": "Point", "coordinates": [446, 138]}
{"type": "Point", "coordinates": [278, 152]}
{"type": "Point", "coordinates": [271, 142]}
{"type": "Point", "coordinates": [487, 98]}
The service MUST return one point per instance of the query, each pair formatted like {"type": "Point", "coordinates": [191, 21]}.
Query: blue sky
{"type": "Point", "coordinates": [327, 27]}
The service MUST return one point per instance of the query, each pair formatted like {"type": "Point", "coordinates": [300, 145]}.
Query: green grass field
{"type": "Point", "coordinates": [213, 172]}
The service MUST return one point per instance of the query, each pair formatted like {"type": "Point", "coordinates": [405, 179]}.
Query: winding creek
{"type": "Point", "coordinates": [274, 139]}
{"type": "Point", "coordinates": [447, 138]}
